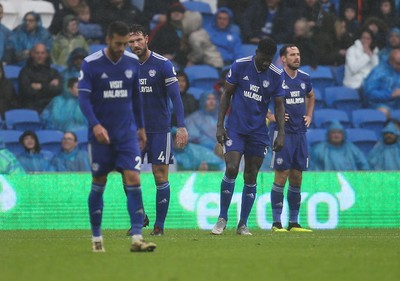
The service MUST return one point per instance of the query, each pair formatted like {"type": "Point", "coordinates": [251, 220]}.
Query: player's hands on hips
{"type": "Point", "coordinates": [142, 138]}
{"type": "Point", "coordinates": [307, 120]}
{"type": "Point", "coordinates": [278, 143]}
{"type": "Point", "coordinates": [181, 137]}
{"type": "Point", "coordinates": [221, 135]}
{"type": "Point", "coordinates": [101, 134]}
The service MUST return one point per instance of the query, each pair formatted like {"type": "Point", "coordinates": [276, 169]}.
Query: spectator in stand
{"type": "Point", "coordinates": [63, 112]}
{"type": "Point", "coordinates": [156, 11]}
{"type": "Point", "coordinates": [32, 159]}
{"type": "Point", "coordinates": [38, 82]}
{"type": "Point", "coordinates": [69, 7]}
{"type": "Point", "coordinates": [195, 157]}
{"type": "Point", "coordinates": [387, 12]}
{"type": "Point", "coordinates": [91, 31]}
{"type": "Point", "coordinates": [337, 153]}
{"type": "Point", "coordinates": [327, 6]}
{"type": "Point", "coordinates": [332, 41]}
{"type": "Point", "coordinates": [313, 12]}
{"type": "Point", "coordinates": [202, 124]}
{"type": "Point", "coordinates": [71, 158]}
{"type": "Point", "coordinates": [4, 34]}
{"type": "Point", "coordinates": [386, 153]}
{"type": "Point", "coordinates": [8, 96]}
{"type": "Point", "coordinates": [393, 43]}
{"type": "Point", "coordinates": [118, 10]}
{"type": "Point", "coordinates": [350, 17]}
{"type": "Point", "coordinates": [237, 7]}
{"type": "Point", "coordinates": [73, 65]}
{"type": "Point", "coordinates": [379, 28]}
{"type": "Point", "coordinates": [67, 40]}
{"type": "Point", "coordinates": [26, 35]}
{"type": "Point", "coordinates": [9, 165]}
{"type": "Point", "coordinates": [267, 18]}
{"type": "Point", "coordinates": [302, 38]}
{"type": "Point", "coordinates": [190, 104]}
{"type": "Point", "coordinates": [225, 36]}
{"type": "Point", "coordinates": [382, 86]}
{"type": "Point", "coordinates": [361, 58]}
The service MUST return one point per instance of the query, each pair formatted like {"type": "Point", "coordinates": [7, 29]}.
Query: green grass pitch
{"type": "Point", "coordinates": [191, 255]}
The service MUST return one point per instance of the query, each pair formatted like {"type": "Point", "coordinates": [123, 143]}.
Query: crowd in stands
{"type": "Point", "coordinates": [357, 40]}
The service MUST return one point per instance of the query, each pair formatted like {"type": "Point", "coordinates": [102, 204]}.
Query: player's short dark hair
{"type": "Point", "coordinates": [117, 27]}
{"type": "Point", "coordinates": [283, 50]}
{"type": "Point", "coordinates": [267, 46]}
{"type": "Point", "coordinates": [71, 82]}
{"type": "Point", "coordinates": [137, 29]}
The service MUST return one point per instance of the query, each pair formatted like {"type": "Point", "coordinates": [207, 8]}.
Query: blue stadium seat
{"type": "Point", "coordinates": [395, 114]}
{"type": "Point", "coordinates": [338, 73]}
{"type": "Point", "coordinates": [249, 49]}
{"type": "Point", "coordinates": [96, 47]}
{"type": "Point", "coordinates": [323, 117]}
{"type": "Point", "coordinates": [343, 98]}
{"type": "Point", "coordinates": [319, 101]}
{"type": "Point", "coordinates": [321, 77]}
{"type": "Point", "coordinates": [82, 136]}
{"type": "Point", "coordinates": [315, 136]}
{"type": "Point", "coordinates": [364, 139]}
{"type": "Point", "coordinates": [202, 7]}
{"type": "Point", "coordinates": [11, 140]}
{"type": "Point", "coordinates": [202, 76]}
{"type": "Point", "coordinates": [23, 119]}
{"type": "Point", "coordinates": [12, 72]}
{"type": "Point", "coordinates": [50, 140]}
{"type": "Point", "coordinates": [196, 92]}
{"type": "Point", "coordinates": [369, 119]}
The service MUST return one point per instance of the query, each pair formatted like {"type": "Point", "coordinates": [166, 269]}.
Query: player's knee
{"type": "Point", "coordinates": [231, 170]}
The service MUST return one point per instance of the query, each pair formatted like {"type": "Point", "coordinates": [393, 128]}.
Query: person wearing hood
{"type": "Point", "coordinates": [71, 158]}
{"type": "Point", "coordinates": [225, 35]}
{"type": "Point", "coordinates": [337, 153]}
{"type": "Point", "coordinates": [25, 36]}
{"type": "Point", "coordinates": [32, 159]}
{"type": "Point", "coordinates": [9, 165]}
{"type": "Point", "coordinates": [74, 63]}
{"type": "Point", "coordinates": [392, 43]}
{"type": "Point", "coordinates": [202, 124]}
{"type": "Point", "coordinates": [38, 82]}
{"type": "Point", "coordinates": [67, 40]}
{"type": "Point", "coordinates": [63, 112]}
{"type": "Point", "coordinates": [361, 58]}
{"type": "Point", "coordinates": [385, 155]}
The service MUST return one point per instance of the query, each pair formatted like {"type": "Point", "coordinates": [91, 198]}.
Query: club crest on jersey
{"type": "Point", "coordinates": [265, 84]}
{"type": "Point", "coordinates": [152, 72]}
{"type": "Point", "coordinates": [303, 86]}
{"type": "Point", "coordinates": [230, 73]}
{"type": "Point", "coordinates": [284, 86]}
{"type": "Point", "coordinates": [95, 167]}
{"type": "Point", "coordinates": [279, 161]}
{"type": "Point", "coordinates": [128, 73]}
{"type": "Point", "coordinates": [228, 143]}
{"type": "Point", "coordinates": [80, 75]}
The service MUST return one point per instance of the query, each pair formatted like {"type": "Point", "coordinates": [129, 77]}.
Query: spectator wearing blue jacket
{"type": "Point", "coordinates": [202, 124]}
{"type": "Point", "coordinates": [337, 153]}
{"type": "Point", "coordinates": [74, 63]}
{"type": "Point", "coordinates": [4, 34]}
{"type": "Point", "coordinates": [385, 155]}
{"type": "Point", "coordinates": [32, 159]}
{"type": "Point", "coordinates": [382, 85]}
{"type": "Point", "coordinates": [8, 163]}
{"type": "Point", "coordinates": [71, 158]}
{"type": "Point", "coordinates": [25, 36]}
{"type": "Point", "coordinates": [225, 35]}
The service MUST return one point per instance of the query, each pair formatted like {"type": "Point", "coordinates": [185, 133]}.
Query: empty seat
{"type": "Point", "coordinates": [315, 136]}
{"type": "Point", "coordinates": [12, 73]}
{"type": "Point", "coordinates": [319, 101]}
{"type": "Point", "coordinates": [10, 14]}
{"type": "Point", "coordinates": [369, 119]}
{"type": "Point", "coordinates": [50, 140]}
{"type": "Point", "coordinates": [323, 117]}
{"type": "Point", "coordinates": [23, 119]}
{"type": "Point", "coordinates": [321, 77]}
{"type": "Point", "coordinates": [342, 98]}
{"type": "Point", "coordinates": [82, 136]}
{"type": "Point", "coordinates": [196, 92]}
{"type": "Point", "coordinates": [44, 8]}
{"type": "Point", "coordinates": [11, 140]}
{"type": "Point", "coordinates": [395, 114]}
{"type": "Point", "coordinates": [202, 76]}
{"type": "Point", "coordinates": [364, 139]}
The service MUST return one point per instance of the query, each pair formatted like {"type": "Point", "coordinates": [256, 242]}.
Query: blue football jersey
{"type": "Point", "coordinates": [111, 86]}
{"type": "Point", "coordinates": [296, 89]}
{"type": "Point", "coordinates": [156, 74]}
{"type": "Point", "coordinates": [254, 90]}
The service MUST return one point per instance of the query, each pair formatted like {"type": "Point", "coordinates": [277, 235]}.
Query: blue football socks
{"type": "Point", "coordinates": [248, 198]}
{"type": "Point", "coordinates": [227, 187]}
{"type": "Point", "coordinates": [162, 203]}
{"type": "Point", "coordinates": [96, 204]}
{"type": "Point", "coordinates": [277, 202]}
{"type": "Point", "coordinates": [294, 199]}
{"type": "Point", "coordinates": [135, 208]}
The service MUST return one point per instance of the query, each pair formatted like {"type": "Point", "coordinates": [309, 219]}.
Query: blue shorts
{"type": "Point", "coordinates": [159, 148]}
{"type": "Point", "coordinates": [294, 154]}
{"type": "Point", "coordinates": [108, 157]}
{"type": "Point", "coordinates": [248, 145]}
